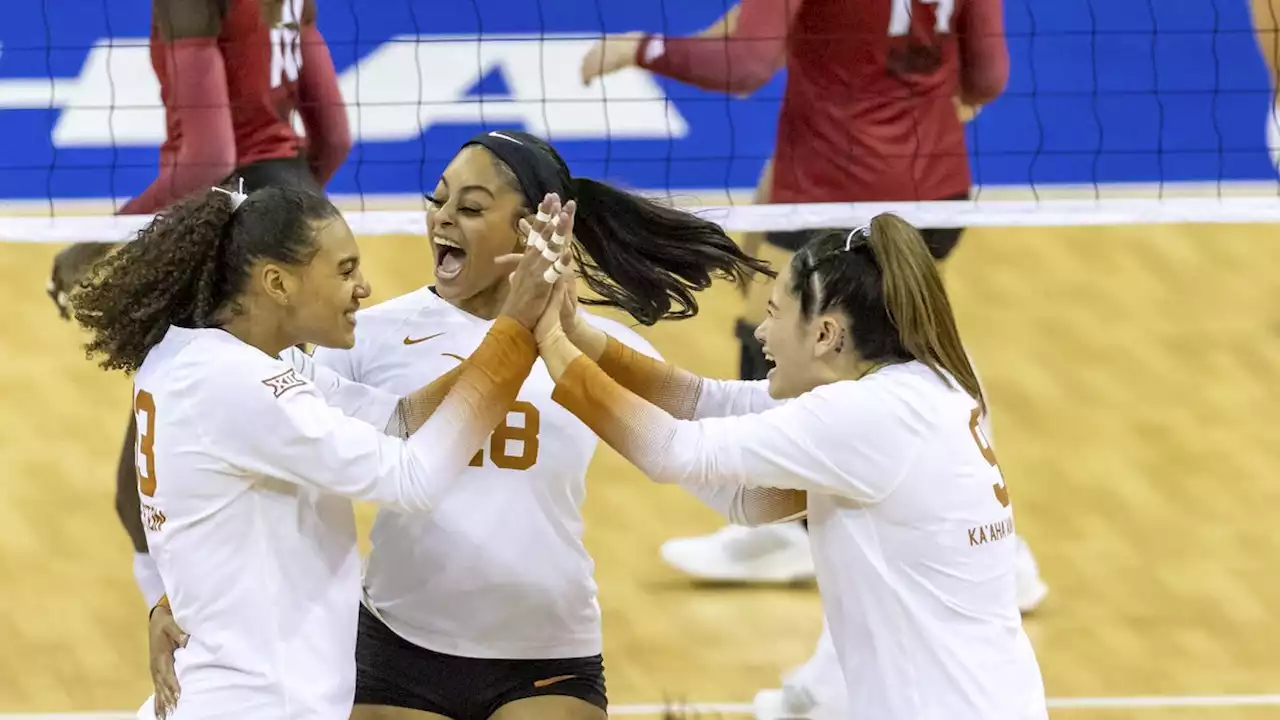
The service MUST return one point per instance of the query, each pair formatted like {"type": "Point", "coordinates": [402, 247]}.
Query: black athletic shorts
{"type": "Point", "coordinates": [394, 672]}
{"type": "Point", "coordinates": [941, 241]}
{"type": "Point", "coordinates": [281, 172]}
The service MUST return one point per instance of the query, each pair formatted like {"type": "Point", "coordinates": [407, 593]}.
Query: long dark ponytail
{"type": "Point", "coordinates": [634, 253]}
{"type": "Point", "coordinates": [648, 258]}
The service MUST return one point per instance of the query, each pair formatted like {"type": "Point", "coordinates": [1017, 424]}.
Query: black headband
{"type": "Point", "coordinates": [537, 170]}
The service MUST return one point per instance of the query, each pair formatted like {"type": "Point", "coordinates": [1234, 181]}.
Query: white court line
{"type": "Point", "coordinates": [1096, 703]}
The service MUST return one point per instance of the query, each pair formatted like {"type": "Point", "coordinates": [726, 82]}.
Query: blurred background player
{"type": "Point", "coordinates": [232, 73]}
{"type": "Point", "coordinates": [874, 112]}
{"type": "Point", "coordinates": [1266, 28]}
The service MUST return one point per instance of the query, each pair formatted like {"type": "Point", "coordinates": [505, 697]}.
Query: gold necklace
{"type": "Point", "coordinates": [875, 367]}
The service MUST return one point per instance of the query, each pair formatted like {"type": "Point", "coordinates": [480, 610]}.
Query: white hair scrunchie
{"type": "Point", "coordinates": [237, 196]}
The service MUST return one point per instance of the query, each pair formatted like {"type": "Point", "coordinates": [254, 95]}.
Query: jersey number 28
{"type": "Point", "coordinates": [525, 435]}
{"type": "Point", "coordinates": [984, 445]}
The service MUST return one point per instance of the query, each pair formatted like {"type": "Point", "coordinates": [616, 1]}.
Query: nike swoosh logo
{"type": "Point", "coordinates": [552, 680]}
{"type": "Point", "coordinates": [414, 341]}
{"type": "Point", "coordinates": [459, 358]}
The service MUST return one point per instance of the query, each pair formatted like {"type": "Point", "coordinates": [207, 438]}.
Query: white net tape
{"type": "Point", "coordinates": [768, 218]}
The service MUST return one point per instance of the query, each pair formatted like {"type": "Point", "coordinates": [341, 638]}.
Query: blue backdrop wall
{"type": "Point", "coordinates": [1102, 91]}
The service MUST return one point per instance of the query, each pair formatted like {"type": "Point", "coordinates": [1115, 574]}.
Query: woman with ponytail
{"type": "Point", "coordinates": [489, 604]}
{"type": "Point", "coordinates": [250, 455]}
{"type": "Point", "coordinates": [871, 419]}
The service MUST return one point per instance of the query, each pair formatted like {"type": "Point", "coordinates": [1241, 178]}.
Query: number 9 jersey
{"type": "Point", "coordinates": [498, 569]}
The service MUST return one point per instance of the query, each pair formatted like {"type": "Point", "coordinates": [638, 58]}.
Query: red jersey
{"type": "Point", "coordinates": [261, 60]}
{"type": "Point", "coordinates": [869, 112]}
{"type": "Point", "coordinates": [231, 80]}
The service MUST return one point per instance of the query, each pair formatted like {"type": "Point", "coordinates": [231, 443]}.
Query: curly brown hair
{"type": "Point", "coordinates": [188, 267]}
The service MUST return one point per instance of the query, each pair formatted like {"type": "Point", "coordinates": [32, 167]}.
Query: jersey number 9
{"type": "Point", "coordinates": [144, 415]}
{"type": "Point", "coordinates": [526, 435]}
{"type": "Point", "coordinates": [988, 454]}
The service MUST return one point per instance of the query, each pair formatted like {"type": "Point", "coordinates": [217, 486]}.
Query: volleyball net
{"type": "Point", "coordinates": [1123, 112]}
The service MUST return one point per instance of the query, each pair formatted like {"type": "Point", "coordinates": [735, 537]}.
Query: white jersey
{"type": "Point", "coordinates": [242, 463]}
{"type": "Point", "coordinates": [498, 570]}
{"type": "Point", "coordinates": [912, 533]}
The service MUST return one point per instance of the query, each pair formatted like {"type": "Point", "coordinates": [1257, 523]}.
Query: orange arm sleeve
{"type": "Point", "coordinates": [622, 400]}
{"type": "Point", "coordinates": [667, 386]}
{"type": "Point", "coordinates": [491, 378]}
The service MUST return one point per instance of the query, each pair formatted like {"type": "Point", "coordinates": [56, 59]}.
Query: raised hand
{"type": "Point", "coordinates": [537, 271]}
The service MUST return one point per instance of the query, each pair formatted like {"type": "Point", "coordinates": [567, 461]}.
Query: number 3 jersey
{"type": "Point", "coordinates": [498, 569]}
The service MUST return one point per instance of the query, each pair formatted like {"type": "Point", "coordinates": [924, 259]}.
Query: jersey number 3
{"type": "Point", "coordinates": [526, 435]}
{"type": "Point", "coordinates": [984, 445]}
{"type": "Point", "coordinates": [144, 414]}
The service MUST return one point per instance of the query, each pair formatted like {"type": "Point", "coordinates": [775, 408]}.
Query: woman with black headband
{"type": "Point", "coordinates": [489, 602]}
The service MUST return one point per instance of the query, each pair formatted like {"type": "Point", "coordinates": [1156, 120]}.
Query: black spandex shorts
{"type": "Point", "coordinates": [941, 241]}
{"type": "Point", "coordinates": [394, 672]}
{"type": "Point", "coordinates": [283, 172]}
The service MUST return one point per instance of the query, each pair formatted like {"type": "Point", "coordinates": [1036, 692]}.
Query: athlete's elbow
{"type": "Point", "coordinates": [211, 165]}
{"type": "Point", "coordinates": [977, 94]}
{"type": "Point", "coordinates": [985, 83]}
{"type": "Point", "coordinates": [751, 78]}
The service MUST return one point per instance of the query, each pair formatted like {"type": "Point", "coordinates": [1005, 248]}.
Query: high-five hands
{"type": "Point", "coordinates": [543, 262]}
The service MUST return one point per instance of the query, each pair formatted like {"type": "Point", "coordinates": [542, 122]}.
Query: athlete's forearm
{"type": "Point", "coordinates": [487, 382]}
{"type": "Point", "coordinates": [417, 407]}
{"type": "Point", "coordinates": [324, 115]}
{"type": "Point", "coordinates": [207, 150]}
{"type": "Point", "coordinates": [984, 53]}
{"type": "Point", "coordinates": [736, 63]}
{"type": "Point", "coordinates": [1266, 28]}
{"type": "Point", "coordinates": [673, 390]}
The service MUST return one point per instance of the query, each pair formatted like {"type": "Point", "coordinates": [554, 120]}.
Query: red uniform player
{"type": "Point", "coordinates": [232, 74]}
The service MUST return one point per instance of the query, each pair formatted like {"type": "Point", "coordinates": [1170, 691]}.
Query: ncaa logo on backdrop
{"type": "Point", "coordinates": [400, 90]}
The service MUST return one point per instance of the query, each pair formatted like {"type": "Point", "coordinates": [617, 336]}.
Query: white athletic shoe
{"type": "Point", "coordinates": [813, 691]}
{"type": "Point", "coordinates": [735, 553]}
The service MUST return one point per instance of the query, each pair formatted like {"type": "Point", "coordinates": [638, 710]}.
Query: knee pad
{"type": "Point", "coordinates": [752, 365]}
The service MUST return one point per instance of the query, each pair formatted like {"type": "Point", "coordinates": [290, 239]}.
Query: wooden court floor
{"type": "Point", "coordinates": [1135, 374]}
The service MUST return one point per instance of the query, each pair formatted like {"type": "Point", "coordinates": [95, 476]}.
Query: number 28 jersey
{"type": "Point", "coordinates": [498, 569]}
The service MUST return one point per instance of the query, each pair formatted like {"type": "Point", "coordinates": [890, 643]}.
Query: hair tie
{"type": "Point", "coordinates": [237, 196]}
{"type": "Point", "coordinates": [864, 232]}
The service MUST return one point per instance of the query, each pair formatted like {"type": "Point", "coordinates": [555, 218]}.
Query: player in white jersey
{"type": "Point", "coordinates": [873, 413]}
{"type": "Point", "coordinates": [246, 467]}
{"type": "Point", "coordinates": [489, 603]}
{"type": "Point", "coordinates": [502, 614]}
